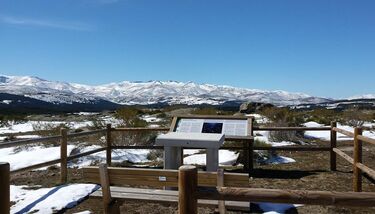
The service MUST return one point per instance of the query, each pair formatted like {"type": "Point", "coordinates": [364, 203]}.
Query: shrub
{"type": "Point", "coordinates": [97, 124]}
{"type": "Point", "coordinates": [205, 111]}
{"type": "Point", "coordinates": [355, 117]}
{"type": "Point", "coordinates": [130, 117]}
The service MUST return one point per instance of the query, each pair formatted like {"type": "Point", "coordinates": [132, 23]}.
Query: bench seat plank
{"type": "Point", "coordinates": [164, 196]}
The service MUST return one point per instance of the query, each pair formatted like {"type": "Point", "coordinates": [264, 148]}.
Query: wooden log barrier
{"type": "Point", "coordinates": [349, 199]}
{"type": "Point", "coordinates": [109, 145]}
{"type": "Point", "coordinates": [64, 156]}
{"type": "Point", "coordinates": [4, 188]}
{"type": "Point", "coordinates": [333, 146]}
{"type": "Point", "coordinates": [187, 187]}
{"type": "Point", "coordinates": [357, 173]}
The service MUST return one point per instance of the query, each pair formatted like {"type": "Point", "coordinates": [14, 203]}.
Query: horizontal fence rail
{"type": "Point", "coordinates": [366, 139]}
{"type": "Point", "coordinates": [135, 129]}
{"type": "Point", "coordinates": [261, 128]}
{"type": "Point", "coordinates": [344, 155]}
{"type": "Point", "coordinates": [344, 132]}
{"type": "Point", "coordinates": [364, 199]}
{"type": "Point", "coordinates": [46, 139]}
{"type": "Point", "coordinates": [28, 141]}
{"type": "Point", "coordinates": [86, 133]}
{"type": "Point", "coordinates": [63, 143]}
{"type": "Point", "coordinates": [55, 161]}
{"type": "Point", "coordinates": [356, 161]}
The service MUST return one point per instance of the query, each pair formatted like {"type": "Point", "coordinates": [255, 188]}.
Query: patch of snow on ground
{"type": "Point", "coordinates": [86, 113]}
{"type": "Point", "coordinates": [27, 136]}
{"type": "Point", "coordinates": [191, 151]}
{"type": "Point", "coordinates": [33, 155]}
{"type": "Point", "coordinates": [48, 200]}
{"type": "Point", "coordinates": [225, 158]}
{"type": "Point", "coordinates": [151, 119]}
{"type": "Point", "coordinates": [277, 159]}
{"type": "Point", "coordinates": [131, 155]}
{"type": "Point", "coordinates": [264, 136]}
{"type": "Point", "coordinates": [7, 101]}
{"type": "Point", "coordinates": [30, 156]}
{"type": "Point", "coordinates": [84, 212]}
{"type": "Point", "coordinates": [28, 126]}
{"type": "Point", "coordinates": [259, 118]}
{"type": "Point", "coordinates": [326, 135]}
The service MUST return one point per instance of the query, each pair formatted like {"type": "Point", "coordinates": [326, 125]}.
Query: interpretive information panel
{"type": "Point", "coordinates": [218, 126]}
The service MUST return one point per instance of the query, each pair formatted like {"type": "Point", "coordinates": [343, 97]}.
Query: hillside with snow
{"type": "Point", "coordinates": [145, 93]}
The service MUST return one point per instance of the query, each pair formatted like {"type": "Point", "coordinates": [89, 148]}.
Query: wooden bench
{"type": "Point", "coordinates": [113, 180]}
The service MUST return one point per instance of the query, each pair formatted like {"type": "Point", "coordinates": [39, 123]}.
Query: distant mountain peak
{"type": "Point", "coordinates": [365, 96]}
{"type": "Point", "coordinates": [150, 92]}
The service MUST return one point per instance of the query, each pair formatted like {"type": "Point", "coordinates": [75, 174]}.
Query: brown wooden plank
{"type": "Point", "coordinates": [63, 156]}
{"type": "Point", "coordinates": [173, 126]}
{"type": "Point", "coordinates": [220, 183]}
{"type": "Point", "coordinates": [370, 172]}
{"type": "Point", "coordinates": [28, 141]}
{"type": "Point", "coordinates": [37, 166]}
{"type": "Point", "coordinates": [4, 188]}
{"type": "Point", "coordinates": [356, 199]}
{"type": "Point", "coordinates": [333, 139]}
{"type": "Point", "coordinates": [291, 128]}
{"type": "Point", "coordinates": [344, 132]}
{"type": "Point", "coordinates": [293, 148]}
{"type": "Point", "coordinates": [137, 129]}
{"type": "Point", "coordinates": [357, 157]}
{"type": "Point", "coordinates": [104, 181]}
{"type": "Point", "coordinates": [86, 133]}
{"type": "Point", "coordinates": [151, 177]}
{"type": "Point", "coordinates": [108, 138]}
{"type": "Point", "coordinates": [162, 172]}
{"type": "Point", "coordinates": [126, 193]}
{"type": "Point", "coordinates": [187, 187]}
{"type": "Point", "coordinates": [72, 157]}
{"type": "Point", "coordinates": [366, 139]}
{"type": "Point", "coordinates": [238, 138]}
{"type": "Point", "coordinates": [343, 155]}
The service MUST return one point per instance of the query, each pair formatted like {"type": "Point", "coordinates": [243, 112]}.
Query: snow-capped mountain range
{"type": "Point", "coordinates": [144, 93]}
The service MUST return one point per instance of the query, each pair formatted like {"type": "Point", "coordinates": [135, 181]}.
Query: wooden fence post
{"type": "Point", "coordinates": [4, 188]}
{"type": "Point", "coordinates": [109, 144]}
{"type": "Point", "coordinates": [249, 148]}
{"type": "Point", "coordinates": [357, 173]}
{"type": "Point", "coordinates": [187, 190]}
{"type": "Point", "coordinates": [220, 183]}
{"type": "Point", "coordinates": [64, 156]}
{"type": "Point", "coordinates": [333, 145]}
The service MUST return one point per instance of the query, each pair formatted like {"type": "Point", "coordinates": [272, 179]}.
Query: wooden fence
{"type": "Point", "coordinates": [189, 193]}
{"type": "Point", "coordinates": [358, 167]}
{"type": "Point", "coordinates": [356, 161]}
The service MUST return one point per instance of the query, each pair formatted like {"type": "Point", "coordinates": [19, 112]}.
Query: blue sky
{"type": "Point", "coordinates": [320, 47]}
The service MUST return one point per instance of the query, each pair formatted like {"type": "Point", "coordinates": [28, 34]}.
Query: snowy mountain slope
{"type": "Point", "coordinates": [144, 93]}
{"type": "Point", "coordinates": [365, 96]}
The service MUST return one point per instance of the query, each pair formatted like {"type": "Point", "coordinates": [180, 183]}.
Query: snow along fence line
{"type": "Point", "coordinates": [46, 139]}
{"type": "Point", "coordinates": [63, 160]}
{"type": "Point", "coordinates": [63, 138]}
{"type": "Point", "coordinates": [356, 160]}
